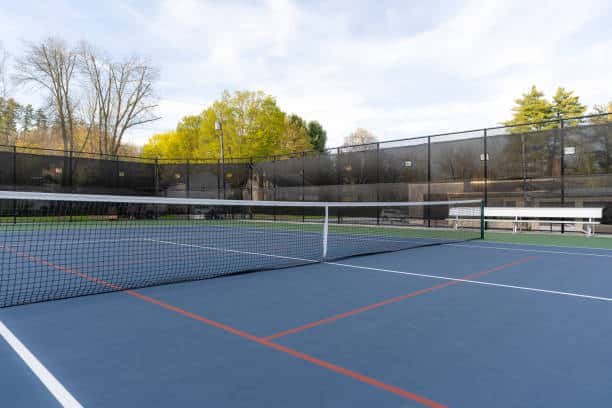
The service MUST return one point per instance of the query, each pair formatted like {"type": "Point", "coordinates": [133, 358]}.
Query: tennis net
{"type": "Point", "coordinates": [55, 246]}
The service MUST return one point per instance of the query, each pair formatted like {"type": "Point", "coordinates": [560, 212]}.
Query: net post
{"type": "Point", "coordinates": [482, 219]}
{"type": "Point", "coordinates": [325, 231]}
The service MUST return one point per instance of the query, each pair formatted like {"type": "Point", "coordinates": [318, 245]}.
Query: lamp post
{"type": "Point", "coordinates": [219, 129]}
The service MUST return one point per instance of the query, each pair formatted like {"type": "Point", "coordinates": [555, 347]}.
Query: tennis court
{"type": "Point", "coordinates": [346, 309]}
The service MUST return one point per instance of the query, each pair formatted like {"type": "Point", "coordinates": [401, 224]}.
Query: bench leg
{"type": "Point", "coordinates": [589, 228]}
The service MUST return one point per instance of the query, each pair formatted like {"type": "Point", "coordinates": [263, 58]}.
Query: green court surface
{"type": "Point", "coordinates": [552, 239]}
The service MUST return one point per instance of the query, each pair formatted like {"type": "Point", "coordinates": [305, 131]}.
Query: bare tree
{"type": "Point", "coordinates": [360, 137]}
{"type": "Point", "coordinates": [119, 96]}
{"type": "Point", "coordinates": [51, 65]}
{"type": "Point", "coordinates": [3, 72]}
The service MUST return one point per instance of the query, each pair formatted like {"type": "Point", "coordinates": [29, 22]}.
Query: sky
{"type": "Point", "coordinates": [397, 68]}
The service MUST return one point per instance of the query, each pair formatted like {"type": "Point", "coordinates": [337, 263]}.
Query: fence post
{"type": "Point", "coordinates": [274, 158]}
{"type": "Point", "coordinates": [428, 180]}
{"type": "Point", "coordinates": [303, 175]}
{"type": "Point", "coordinates": [187, 178]}
{"type": "Point", "coordinates": [14, 168]}
{"type": "Point", "coordinates": [14, 183]}
{"type": "Point", "coordinates": [274, 185]}
{"type": "Point", "coordinates": [218, 179]}
{"type": "Point", "coordinates": [377, 182]}
{"type": "Point", "coordinates": [339, 181]}
{"type": "Point", "coordinates": [482, 220]}
{"type": "Point", "coordinates": [223, 176]}
{"type": "Point", "coordinates": [251, 164]}
{"type": "Point", "coordinates": [303, 184]}
{"type": "Point", "coordinates": [156, 176]}
{"type": "Point", "coordinates": [116, 166]}
{"type": "Point", "coordinates": [562, 138]}
{"type": "Point", "coordinates": [486, 166]}
{"type": "Point", "coordinates": [70, 182]}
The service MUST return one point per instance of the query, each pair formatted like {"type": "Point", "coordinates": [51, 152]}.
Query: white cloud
{"type": "Point", "coordinates": [357, 64]}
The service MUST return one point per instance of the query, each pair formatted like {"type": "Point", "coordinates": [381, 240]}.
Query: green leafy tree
{"type": "Point", "coordinates": [317, 135]}
{"type": "Point", "coordinates": [252, 125]}
{"type": "Point", "coordinates": [531, 109]}
{"type": "Point", "coordinates": [566, 105]}
{"type": "Point", "coordinates": [297, 138]}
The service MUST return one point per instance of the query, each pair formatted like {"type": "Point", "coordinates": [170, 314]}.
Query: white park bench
{"type": "Point", "coordinates": [584, 216]}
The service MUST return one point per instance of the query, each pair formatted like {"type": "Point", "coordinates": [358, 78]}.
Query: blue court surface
{"type": "Point", "coordinates": [471, 324]}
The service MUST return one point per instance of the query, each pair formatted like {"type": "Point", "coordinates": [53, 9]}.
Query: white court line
{"type": "Point", "coordinates": [439, 277]}
{"type": "Point", "coordinates": [475, 282]}
{"type": "Point", "coordinates": [542, 251]}
{"type": "Point", "coordinates": [53, 385]}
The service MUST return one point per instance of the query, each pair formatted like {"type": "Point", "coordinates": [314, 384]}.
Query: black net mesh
{"type": "Point", "coordinates": [55, 246]}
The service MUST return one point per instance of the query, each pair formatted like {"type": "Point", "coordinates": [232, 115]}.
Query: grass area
{"type": "Point", "coordinates": [313, 224]}
{"type": "Point", "coordinates": [556, 239]}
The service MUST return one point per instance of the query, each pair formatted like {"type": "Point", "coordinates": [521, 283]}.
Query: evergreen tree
{"type": "Point", "coordinates": [566, 105]}
{"type": "Point", "coordinates": [10, 112]}
{"type": "Point", "coordinates": [529, 110]}
{"type": "Point", "coordinates": [40, 120]}
{"type": "Point", "coordinates": [27, 119]}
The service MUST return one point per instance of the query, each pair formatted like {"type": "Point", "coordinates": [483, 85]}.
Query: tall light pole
{"type": "Point", "coordinates": [219, 129]}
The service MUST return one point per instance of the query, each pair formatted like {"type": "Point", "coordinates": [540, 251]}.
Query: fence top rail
{"type": "Point", "coordinates": [328, 150]}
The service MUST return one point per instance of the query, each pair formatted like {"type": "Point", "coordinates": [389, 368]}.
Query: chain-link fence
{"type": "Point", "coordinates": [563, 163]}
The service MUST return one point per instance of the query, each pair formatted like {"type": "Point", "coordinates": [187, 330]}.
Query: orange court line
{"type": "Point", "coordinates": [396, 299]}
{"type": "Point", "coordinates": [263, 341]}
